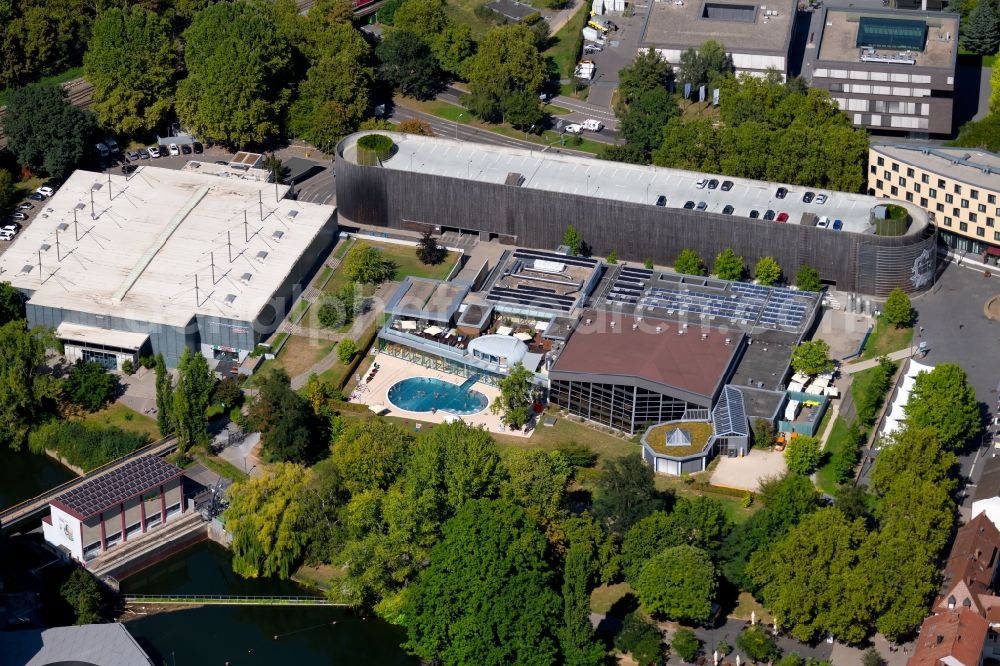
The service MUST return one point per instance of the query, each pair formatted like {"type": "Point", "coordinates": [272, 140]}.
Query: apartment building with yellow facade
{"type": "Point", "coordinates": [958, 187]}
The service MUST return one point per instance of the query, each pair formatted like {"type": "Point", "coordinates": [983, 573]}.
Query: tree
{"type": "Point", "coordinates": [263, 517]}
{"type": "Point", "coordinates": [944, 400]}
{"type": "Point", "coordinates": [803, 454]}
{"type": "Point", "coordinates": [284, 420]}
{"type": "Point", "coordinates": [164, 397]}
{"type": "Point", "coordinates": [583, 531]}
{"type": "Point", "coordinates": [21, 352]}
{"type": "Point", "coordinates": [871, 657]}
{"type": "Point", "coordinates": [728, 265]}
{"type": "Point", "coordinates": [537, 481]}
{"type": "Point", "coordinates": [981, 32]}
{"type": "Point", "coordinates": [44, 131]}
{"type": "Point", "coordinates": [579, 645]}
{"type": "Point", "coordinates": [689, 263]}
{"type": "Point", "coordinates": [486, 597]}
{"type": "Point", "coordinates": [649, 71]}
{"type": "Point", "coordinates": [917, 450]}
{"type": "Point", "coordinates": [642, 124]}
{"type": "Point", "coordinates": [573, 240]}
{"type": "Point", "coordinates": [412, 126]}
{"type": "Point", "coordinates": [83, 595]}
{"type": "Point", "coordinates": [371, 454]}
{"type": "Point", "coordinates": [11, 300]}
{"type": "Point", "coordinates": [898, 310]}
{"type": "Point", "coordinates": [812, 357]}
{"type": "Point", "coordinates": [346, 350]}
{"type": "Point", "coordinates": [686, 644]}
{"type": "Point", "coordinates": [191, 399]}
{"type": "Point", "coordinates": [90, 385]}
{"type": "Point", "coordinates": [807, 279]}
{"type": "Point", "coordinates": [767, 272]}
{"type": "Point", "coordinates": [679, 584]}
{"type": "Point", "coordinates": [131, 66]}
{"type": "Point", "coordinates": [429, 251]}
{"type": "Point", "coordinates": [338, 310]}
{"type": "Point", "coordinates": [408, 65]}
{"type": "Point", "coordinates": [641, 639]}
{"type": "Point", "coordinates": [757, 644]}
{"type": "Point", "coordinates": [507, 62]}
{"type": "Point", "coordinates": [368, 265]}
{"type": "Point", "coordinates": [7, 190]}
{"type": "Point", "coordinates": [522, 110]}
{"type": "Point", "coordinates": [612, 257]}
{"type": "Point", "coordinates": [514, 402]}
{"type": "Point", "coordinates": [451, 43]}
{"type": "Point", "coordinates": [625, 493]}
{"type": "Point", "coordinates": [706, 66]}
{"type": "Point", "coordinates": [763, 432]}
{"type": "Point", "coordinates": [238, 65]}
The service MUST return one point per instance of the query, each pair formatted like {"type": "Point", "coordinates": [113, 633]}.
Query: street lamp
{"type": "Point", "coordinates": [456, 125]}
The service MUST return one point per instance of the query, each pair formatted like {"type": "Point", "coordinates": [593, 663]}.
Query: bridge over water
{"type": "Point", "coordinates": [224, 600]}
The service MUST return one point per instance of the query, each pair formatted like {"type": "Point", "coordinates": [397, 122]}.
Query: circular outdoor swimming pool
{"type": "Point", "coordinates": [426, 394]}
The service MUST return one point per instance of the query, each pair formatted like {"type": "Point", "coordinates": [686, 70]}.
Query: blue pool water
{"type": "Point", "coordinates": [425, 394]}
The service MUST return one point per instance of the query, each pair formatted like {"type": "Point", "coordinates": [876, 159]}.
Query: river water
{"type": "Point", "coordinates": [24, 475]}
{"type": "Point", "coordinates": [244, 636]}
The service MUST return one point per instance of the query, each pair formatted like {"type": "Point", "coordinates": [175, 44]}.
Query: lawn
{"type": "Point", "coordinates": [886, 338]}
{"type": "Point", "coordinates": [464, 12]}
{"type": "Point", "coordinates": [221, 467]}
{"type": "Point", "coordinates": [63, 77]}
{"type": "Point", "coordinates": [565, 432]}
{"type": "Point", "coordinates": [839, 438]}
{"type": "Point", "coordinates": [339, 374]}
{"type": "Point", "coordinates": [405, 258]}
{"type": "Point", "coordinates": [301, 353]}
{"type": "Point", "coordinates": [117, 414]}
{"type": "Point", "coordinates": [341, 249]}
{"type": "Point", "coordinates": [604, 597]}
{"type": "Point", "coordinates": [554, 110]}
{"type": "Point", "coordinates": [861, 383]}
{"type": "Point", "coordinates": [747, 605]}
{"type": "Point", "coordinates": [565, 49]}
{"type": "Point", "coordinates": [299, 310]}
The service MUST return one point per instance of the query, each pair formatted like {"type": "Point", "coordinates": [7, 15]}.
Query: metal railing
{"type": "Point", "coordinates": [227, 600]}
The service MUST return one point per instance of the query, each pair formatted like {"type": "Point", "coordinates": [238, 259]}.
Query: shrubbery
{"type": "Point", "coordinates": [84, 445]}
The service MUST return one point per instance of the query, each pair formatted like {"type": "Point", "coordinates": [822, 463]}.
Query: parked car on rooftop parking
{"type": "Point", "coordinates": [154, 151]}
{"type": "Point", "coordinates": [712, 184]}
{"type": "Point", "coordinates": [782, 217]}
{"type": "Point", "coordinates": [808, 197]}
{"type": "Point", "coordinates": [781, 192]}
{"type": "Point", "coordinates": [689, 205]}
{"type": "Point", "coordinates": [701, 183]}
{"type": "Point", "coordinates": [769, 215]}
{"type": "Point", "coordinates": [754, 214]}
{"type": "Point", "coordinates": [821, 199]}
{"type": "Point", "coordinates": [727, 185]}
{"type": "Point", "coordinates": [661, 200]}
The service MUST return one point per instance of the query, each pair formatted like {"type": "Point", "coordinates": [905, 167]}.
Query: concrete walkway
{"type": "Point", "coordinates": [900, 355]}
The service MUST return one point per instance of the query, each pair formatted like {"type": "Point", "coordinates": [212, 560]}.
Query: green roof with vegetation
{"type": "Point", "coordinates": [698, 432]}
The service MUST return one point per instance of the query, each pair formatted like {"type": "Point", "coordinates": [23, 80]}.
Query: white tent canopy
{"type": "Point", "coordinates": [896, 412]}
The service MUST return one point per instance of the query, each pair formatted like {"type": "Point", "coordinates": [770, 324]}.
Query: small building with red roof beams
{"type": "Point", "coordinates": [108, 510]}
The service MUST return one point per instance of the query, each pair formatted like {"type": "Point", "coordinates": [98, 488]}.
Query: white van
{"type": "Point", "coordinates": [823, 222]}
{"type": "Point", "coordinates": [593, 125]}
{"type": "Point", "coordinates": [102, 150]}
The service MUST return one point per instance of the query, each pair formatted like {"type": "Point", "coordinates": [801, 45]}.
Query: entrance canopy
{"type": "Point", "coordinates": [100, 338]}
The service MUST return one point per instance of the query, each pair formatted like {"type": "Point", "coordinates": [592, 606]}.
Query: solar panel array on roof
{"type": "Point", "coordinates": [890, 33]}
{"type": "Point", "coordinates": [729, 416]}
{"type": "Point", "coordinates": [130, 480]}
{"type": "Point", "coordinates": [585, 262]}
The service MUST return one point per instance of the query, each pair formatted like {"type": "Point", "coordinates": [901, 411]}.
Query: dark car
{"type": "Point", "coordinates": [689, 205]}
{"type": "Point", "coordinates": [754, 214]}
{"type": "Point", "coordinates": [769, 215]}
{"type": "Point", "coordinates": [781, 193]}
{"type": "Point", "coordinates": [808, 197]}
{"type": "Point", "coordinates": [143, 154]}
{"type": "Point", "coordinates": [782, 217]}
{"type": "Point", "coordinates": [132, 155]}
{"type": "Point", "coordinates": [728, 210]}
{"type": "Point", "coordinates": [727, 185]}
{"type": "Point", "coordinates": [661, 200]}
{"type": "Point", "coordinates": [35, 196]}
{"type": "Point", "coordinates": [197, 148]}
{"type": "Point", "coordinates": [712, 184]}
{"type": "Point", "coordinates": [25, 205]}
{"type": "Point", "coordinates": [221, 162]}
{"type": "Point", "coordinates": [186, 149]}
{"type": "Point", "coordinates": [838, 225]}
{"type": "Point", "coordinates": [128, 168]}
{"type": "Point", "coordinates": [702, 205]}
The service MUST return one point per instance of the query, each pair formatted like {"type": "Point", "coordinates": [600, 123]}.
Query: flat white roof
{"type": "Point", "coordinates": [141, 253]}
{"type": "Point", "coordinates": [100, 336]}
{"type": "Point", "coordinates": [615, 180]}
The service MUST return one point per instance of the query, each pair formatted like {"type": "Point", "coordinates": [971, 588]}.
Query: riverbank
{"type": "Point", "coordinates": [24, 475]}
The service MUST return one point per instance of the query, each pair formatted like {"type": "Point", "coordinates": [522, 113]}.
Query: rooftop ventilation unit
{"type": "Point", "coordinates": [62, 226]}
{"type": "Point", "coordinates": [97, 186]}
{"type": "Point", "coordinates": [293, 213]}
{"type": "Point", "coordinates": [246, 277]}
{"type": "Point", "coordinates": [277, 236]}
{"type": "Point", "coordinates": [81, 206]}
{"type": "Point", "coordinates": [230, 298]}
{"type": "Point", "coordinates": [262, 256]}
{"type": "Point", "coordinates": [27, 268]}
{"type": "Point", "coordinates": [45, 247]}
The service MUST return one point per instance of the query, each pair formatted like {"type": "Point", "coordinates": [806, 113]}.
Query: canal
{"type": "Point", "coordinates": [24, 475]}
{"type": "Point", "coordinates": [244, 636]}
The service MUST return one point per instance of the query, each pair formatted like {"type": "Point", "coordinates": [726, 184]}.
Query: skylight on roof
{"type": "Point", "coordinates": [890, 33]}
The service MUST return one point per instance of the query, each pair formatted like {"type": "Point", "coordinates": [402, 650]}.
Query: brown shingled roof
{"type": "Point", "coordinates": [959, 635]}
{"type": "Point", "coordinates": [973, 559]}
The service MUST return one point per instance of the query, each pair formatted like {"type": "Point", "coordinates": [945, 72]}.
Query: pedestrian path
{"type": "Point", "coordinates": [853, 368]}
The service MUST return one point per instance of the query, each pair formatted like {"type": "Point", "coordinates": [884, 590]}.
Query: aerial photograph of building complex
{"type": "Point", "coordinates": [464, 332]}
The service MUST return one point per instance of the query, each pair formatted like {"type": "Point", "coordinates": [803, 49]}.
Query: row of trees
{"type": "Point", "coordinates": [731, 266]}
{"type": "Point", "coordinates": [182, 408]}
{"type": "Point", "coordinates": [769, 130]}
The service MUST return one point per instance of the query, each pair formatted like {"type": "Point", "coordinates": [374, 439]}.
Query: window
{"type": "Point", "coordinates": [974, 194]}
{"type": "Point", "coordinates": [965, 203]}
{"type": "Point", "coordinates": [973, 217]}
{"type": "Point", "coordinates": [924, 178]}
{"type": "Point", "coordinates": [962, 226]}
{"type": "Point", "coordinates": [990, 221]}
{"type": "Point", "coordinates": [894, 190]}
{"type": "Point", "coordinates": [902, 182]}
{"type": "Point", "coordinates": [895, 167]}
{"type": "Point", "coordinates": [909, 196]}
{"type": "Point", "coordinates": [981, 208]}
{"type": "Point", "coordinates": [916, 187]}
{"type": "Point", "coordinates": [996, 235]}
{"type": "Point", "coordinates": [923, 202]}
{"type": "Point", "coordinates": [957, 212]}
{"type": "Point", "coordinates": [887, 175]}
{"type": "Point", "coordinates": [881, 161]}
{"type": "Point", "coordinates": [909, 172]}
{"type": "Point", "coordinates": [958, 188]}
{"type": "Point", "coordinates": [947, 221]}
{"type": "Point", "coordinates": [991, 198]}
{"type": "Point", "coordinates": [932, 192]}
{"type": "Point", "coordinates": [941, 183]}
{"type": "Point", "coordinates": [980, 231]}
{"type": "Point", "coordinates": [872, 169]}
{"type": "Point", "coordinates": [949, 199]}
{"type": "Point", "coordinates": [939, 207]}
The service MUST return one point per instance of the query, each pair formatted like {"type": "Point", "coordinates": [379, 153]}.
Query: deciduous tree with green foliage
{"type": "Point", "coordinates": [283, 418]}
{"type": "Point", "coordinates": [131, 63]}
{"type": "Point", "coordinates": [21, 352]}
{"type": "Point", "coordinates": [44, 131]}
{"type": "Point", "coordinates": [368, 265]}
{"type": "Point", "coordinates": [944, 400]}
{"type": "Point", "coordinates": [238, 62]}
{"type": "Point", "coordinates": [164, 397]}
{"type": "Point", "coordinates": [83, 595]}
{"type": "Point", "coordinates": [803, 454]}
{"type": "Point", "coordinates": [767, 271]}
{"type": "Point", "coordinates": [506, 63]}
{"type": "Point", "coordinates": [487, 596]}
{"type": "Point", "coordinates": [757, 644]}
{"type": "Point", "coordinates": [450, 42]}
{"type": "Point", "coordinates": [642, 123]}
{"type": "Point", "coordinates": [579, 645]}
{"type": "Point", "coordinates": [704, 66]}
{"type": "Point", "coordinates": [408, 65]}
{"type": "Point", "coordinates": [8, 192]}
{"type": "Point", "coordinates": [371, 454]}
{"type": "Point", "coordinates": [11, 302]}
{"type": "Point", "coordinates": [263, 517]}
{"type": "Point", "coordinates": [898, 310]}
{"type": "Point", "coordinates": [649, 71]}
{"type": "Point", "coordinates": [537, 481]}
{"type": "Point", "coordinates": [514, 402]}
{"type": "Point", "coordinates": [90, 386]}
{"type": "Point", "coordinates": [640, 639]}
{"type": "Point", "coordinates": [584, 531]}
{"type": "Point", "coordinates": [573, 240]}
{"type": "Point", "coordinates": [679, 584]}
{"type": "Point", "coordinates": [685, 644]}
{"type": "Point", "coordinates": [689, 263]}
{"type": "Point", "coordinates": [728, 265]}
{"type": "Point", "coordinates": [191, 399]}
{"type": "Point", "coordinates": [346, 350]}
{"type": "Point", "coordinates": [338, 310]}
{"type": "Point", "coordinates": [807, 279]}
{"type": "Point", "coordinates": [812, 357]}
{"type": "Point", "coordinates": [625, 493]}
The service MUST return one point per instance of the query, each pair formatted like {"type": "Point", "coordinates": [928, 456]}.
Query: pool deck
{"type": "Point", "coordinates": [392, 370]}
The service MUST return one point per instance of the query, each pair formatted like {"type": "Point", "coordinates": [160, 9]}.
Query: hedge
{"type": "Point", "coordinates": [374, 148]}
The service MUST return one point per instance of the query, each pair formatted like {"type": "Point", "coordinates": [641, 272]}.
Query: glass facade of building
{"type": "Point", "coordinates": [620, 406]}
